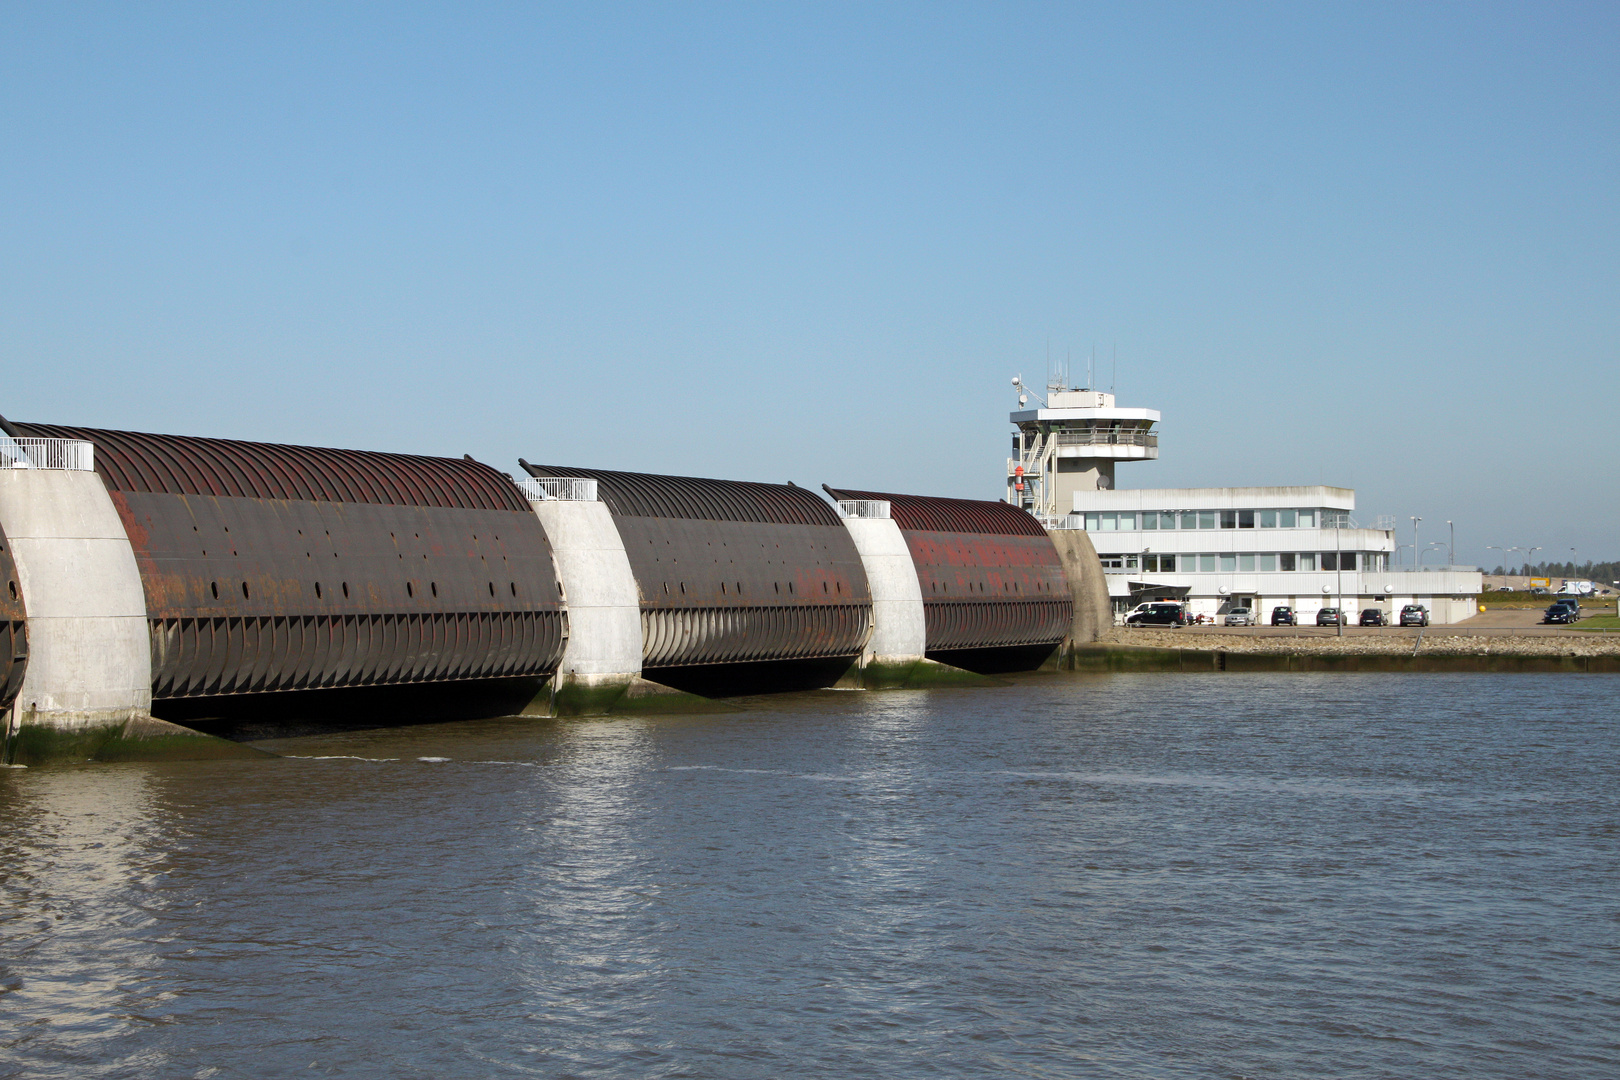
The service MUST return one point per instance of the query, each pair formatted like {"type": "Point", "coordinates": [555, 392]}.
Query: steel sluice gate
{"type": "Point", "coordinates": [13, 628]}
{"type": "Point", "coordinates": [275, 568]}
{"type": "Point", "coordinates": [990, 576]}
{"type": "Point", "coordinates": [732, 571]}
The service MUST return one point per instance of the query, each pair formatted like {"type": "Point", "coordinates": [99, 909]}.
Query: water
{"type": "Point", "coordinates": [1156, 876]}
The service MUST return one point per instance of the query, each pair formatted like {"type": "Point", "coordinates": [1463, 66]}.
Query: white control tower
{"type": "Point", "coordinates": [1071, 444]}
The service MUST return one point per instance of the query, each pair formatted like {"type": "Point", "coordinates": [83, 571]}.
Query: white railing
{"type": "Point", "coordinates": [1061, 521]}
{"type": "Point", "coordinates": [1105, 438]}
{"type": "Point", "coordinates": [73, 455]}
{"type": "Point", "coordinates": [863, 508]}
{"type": "Point", "coordinates": [557, 489]}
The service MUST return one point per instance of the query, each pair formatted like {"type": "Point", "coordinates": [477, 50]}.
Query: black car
{"type": "Point", "coordinates": [1564, 611]}
{"type": "Point", "coordinates": [1157, 615]}
{"type": "Point", "coordinates": [1373, 617]}
{"type": "Point", "coordinates": [1330, 616]}
{"type": "Point", "coordinates": [1283, 616]}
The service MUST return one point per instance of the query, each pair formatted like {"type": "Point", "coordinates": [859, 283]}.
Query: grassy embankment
{"type": "Point", "coordinates": [1599, 622]}
{"type": "Point", "coordinates": [1519, 600]}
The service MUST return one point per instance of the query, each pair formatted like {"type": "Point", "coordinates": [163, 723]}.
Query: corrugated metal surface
{"type": "Point", "coordinates": [182, 465]}
{"type": "Point", "coordinates": [13, 627]}
{"type": "Point", "coordinates": [271, 568]}
{"type": "Point", "coordinates": [732, 572]}
{"type": "Point", "coordinates": [990, 576]}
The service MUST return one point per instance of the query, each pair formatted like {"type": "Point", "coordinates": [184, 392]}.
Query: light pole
{"type": "Point", "coordinates": [1451, 548]}
{"type": "Point", "coordinates": [1498, 547]}
{"type": "Point", "coordinates": [1415, 520]}
{"type": "Point", "coordinates": [1527, 553]}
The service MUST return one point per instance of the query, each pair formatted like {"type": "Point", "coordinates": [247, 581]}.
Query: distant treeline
{"type": "Point", "coordinates": [1606, 572]}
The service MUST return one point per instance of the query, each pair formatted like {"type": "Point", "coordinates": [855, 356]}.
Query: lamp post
{"type": "Point", "coordinates": [1415, 520]}
{"type": "Point", "coordinates": [1498, 547]}
{"type": "Point", "coordinates": [1527, 553]}
{"type": "Point", "coordinates": [1451, 547]}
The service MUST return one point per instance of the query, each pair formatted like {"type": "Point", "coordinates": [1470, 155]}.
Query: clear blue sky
{"type": "Point", "coordinates": [1356, 244]}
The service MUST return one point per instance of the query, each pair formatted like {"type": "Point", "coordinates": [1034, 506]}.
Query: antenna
{"type": "Point", "coordinates": [1114, 383]}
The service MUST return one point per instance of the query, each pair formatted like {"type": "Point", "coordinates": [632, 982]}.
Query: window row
{"type": "Point", "coordinates": [1216, 519]}
{"type": "Point", "coordinates": [1239, 562]}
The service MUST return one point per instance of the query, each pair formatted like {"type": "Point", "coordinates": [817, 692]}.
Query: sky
{"type": "Point", "coordinates": [1375, 246]}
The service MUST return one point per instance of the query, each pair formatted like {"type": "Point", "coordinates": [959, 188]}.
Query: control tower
{"type": "Point", "coordinates": [1070, 444]}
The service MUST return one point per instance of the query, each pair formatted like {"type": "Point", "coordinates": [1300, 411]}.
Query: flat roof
{"type": "Point", "coordinates": [1233, 498]}
{"type": "Point", "coordinates": [1028, 416]}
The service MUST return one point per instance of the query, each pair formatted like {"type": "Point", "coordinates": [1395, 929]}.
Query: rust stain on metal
{"type": "Point", "coordinates": [990, 575]}
{"type": "Point", "coordinates": [13, 627]}
{"type": "Point", "coordinates": [732, 571]}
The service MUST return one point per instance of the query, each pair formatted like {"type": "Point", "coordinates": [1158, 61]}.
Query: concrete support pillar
{"type": "Point", "coordinates": [894, 656]}
{"type": "Point", "coordinates": [1093, 611]}
{"type": "Point", "coordinates": [600, 671]}
{"type": "Point", "coordinates": [90, 668]}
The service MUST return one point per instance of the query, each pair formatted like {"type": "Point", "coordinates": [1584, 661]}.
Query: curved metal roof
{"type": "Point", "coordinates": [950, 515]}
{"type": "Point", "coordinates": [187, 465]}
{"type": "Point", "coordinates": [649, 495]}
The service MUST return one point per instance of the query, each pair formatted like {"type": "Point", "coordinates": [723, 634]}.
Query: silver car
{"type": "Point", "coordinates": [1240, 616]}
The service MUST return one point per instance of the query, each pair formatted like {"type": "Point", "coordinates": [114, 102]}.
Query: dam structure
{"type": "Point", "coordinates": [163, 589]}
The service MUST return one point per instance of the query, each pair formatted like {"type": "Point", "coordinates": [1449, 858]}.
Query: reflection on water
{"type": "Point", "coordinates": [1182, 876]}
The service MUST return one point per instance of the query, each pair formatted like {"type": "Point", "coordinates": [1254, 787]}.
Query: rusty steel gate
{"type": "Point", "coordinates": [13, 628]}
{"type": "Point", "coordinates": [275, 568]}
{"type": "Point", "coordinates": [730, 571]}
{"type": "Point", "coordinates": [990, 576]}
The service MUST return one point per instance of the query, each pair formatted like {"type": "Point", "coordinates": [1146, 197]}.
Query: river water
{"type": "Point", "coordinates": [1215, 875]}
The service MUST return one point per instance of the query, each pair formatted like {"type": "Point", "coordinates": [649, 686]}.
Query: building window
{"type": "Point", "coordinates": [1268, 519]}
{"type": "Point", "coordinates": [1150, 521]}
{"type": "Point", "coordinates": [1286, 560]}
{"type": "Point", "coordinates": [1228, 562]}
{"type": "Point", "coordinates": [1246, 562]}
{"type": "Point", "coordinates": [1127, 523]}
{"type": "Point", "coordinates": [1093, 522]}
{"type": "Point", "coordinates": [1307, 560]}
{"type": "Point", "coordinates": [1307, 519]}
{"type": "Point", "coordinates": [1330, 560]}
{"type": "Point", "coordinates": [1287, 519]}
{"type": "Point", "coordinates": [1112, 562]}
{"type": "Point", "coordinates": [1228, 519]}
{"type": "Point", "coordinates": [1189, 519]}
{"type": "Point", "coordinates": [1166, 520]}
{"type": "Point", "coordinates": [1268, 564]}
{"type": "Point", "coordinates": [1206, 564]}
{"type": "Point", "coordinates": [1245, 519]}
{"type": "Point", "coordinates": [1206, 519]}
{"type": "Point", "coordinates": [1347, 560]}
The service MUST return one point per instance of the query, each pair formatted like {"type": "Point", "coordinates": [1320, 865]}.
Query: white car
{"type": "Point", "coordinates": [1240, 616]}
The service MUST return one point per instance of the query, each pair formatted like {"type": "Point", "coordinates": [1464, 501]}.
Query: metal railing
{"type": "Point", "coordinates": [863, 508]}
{"type": "Point", "coordinates": [1105, 438]}
{"type": "Point", "coordinates": [72, 455]}
{"type": "Point", "coordinates": [557, 489]}
{"type": "Point", "coordinates": [1061, 521]}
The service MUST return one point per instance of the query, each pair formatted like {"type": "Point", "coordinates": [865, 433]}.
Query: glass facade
{"type": "Point", "coordinates": [1153, 520]}
{"type": "Point", "coordinates": [1247, 562]}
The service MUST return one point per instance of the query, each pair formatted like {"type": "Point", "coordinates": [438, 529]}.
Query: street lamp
{"type": "Point", "coordinates": [1415, 520]}
{"type": "Point", "coordinates": [1527, 553]}
{"type": "Point", "coordinates": [1425, 551]}
{"type": "Point", "coordinates": [1338, 568]}
{"type": "Point", "coordinates": [1503, 550]}
{"type": "Point", "coordinates": [1451, 548]}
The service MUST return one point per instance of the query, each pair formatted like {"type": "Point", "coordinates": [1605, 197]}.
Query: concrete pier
{"type": "Point", "coordinates": [600, 671]}
{"type": "Point", "coordinates": [89, 668]}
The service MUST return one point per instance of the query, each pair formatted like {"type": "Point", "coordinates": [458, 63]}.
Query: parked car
{"type": "Point", "coordinates": [1283, 616]}
{"type": "Point", "coordinates": [1560, 613]}
{"type": "Point", "coordinates": [1330, 616]}
{"type": "Point", "coordinates": [1240, 616]}
{"type": "Point", "coordinates": [1157, 614]}
{"type": "Point", "coordinates": [1414, 615]}
{"type": "Point", "coordinates": [1565, 609]}
{"type": "Point", "coordinates": [1373, 617]}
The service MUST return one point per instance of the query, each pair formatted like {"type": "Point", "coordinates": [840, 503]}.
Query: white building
{"type": "Point", "coordinates": [1213, 548]}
